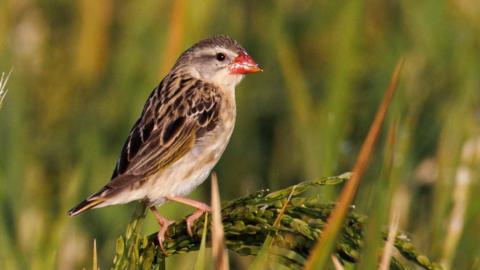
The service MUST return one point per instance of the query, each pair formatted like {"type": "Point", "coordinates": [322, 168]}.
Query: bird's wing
{"type": "Point", "coordinates": [177, 113]}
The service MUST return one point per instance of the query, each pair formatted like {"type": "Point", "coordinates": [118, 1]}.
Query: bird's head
{"type": "Point", "coordinates": [219, 60]}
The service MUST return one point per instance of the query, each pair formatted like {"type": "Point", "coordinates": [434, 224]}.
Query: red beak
{"type": "Point", "coordinates": [243, 64]}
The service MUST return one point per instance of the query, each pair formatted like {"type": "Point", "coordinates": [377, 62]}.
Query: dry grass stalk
{"type": "Point", "coordinates": [461, 195]}
{"type": "Point", "coordinates": [337, 264]}
{"type": "Point", "coordinates": [321, 252]}
{"type": "Point", "coordinates": [389, 244]}
{"type": "Point", "coordinates": [219, 252]}
{"type": "Point", "coordinates": [95, 256]}
{"type": "Point", "coordinates": [3, 86]}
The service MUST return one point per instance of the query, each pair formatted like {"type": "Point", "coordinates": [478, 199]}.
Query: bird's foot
{"type": "Point", "coordinates": [201, 209]}
{"type": "Point", "coordinates": [164, 224]}
{"type": "Point", "coordinates": [193, 217]}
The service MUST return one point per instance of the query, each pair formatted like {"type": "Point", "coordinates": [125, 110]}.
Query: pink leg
{"type": "Point", "coordinates": [164, 223]}
{"type": "Point", "coordinates": [201, 209]}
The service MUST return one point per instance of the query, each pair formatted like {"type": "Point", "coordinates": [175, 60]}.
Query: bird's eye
{"type": "Point", "coordinates": [220, 56]}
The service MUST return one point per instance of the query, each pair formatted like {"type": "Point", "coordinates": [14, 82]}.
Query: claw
{"type": "Point", "coordinates": [192, 218]}
{"type": "Point", "coordinates": [164, 224]}
{"type": "Point", "coordinates": [161, 235]}
{"type": "Point", "coordinates": [201, 209]}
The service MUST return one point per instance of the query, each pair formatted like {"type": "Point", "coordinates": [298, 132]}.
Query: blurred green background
{"type": "Point", "coordinates": [83, 69]}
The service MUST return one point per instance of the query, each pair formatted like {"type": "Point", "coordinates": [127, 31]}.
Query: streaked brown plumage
{"type": "Point", "coordinates": [184, 128]}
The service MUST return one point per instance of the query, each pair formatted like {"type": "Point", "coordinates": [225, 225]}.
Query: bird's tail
{"type": "Point", "coordinates": [85, 205]}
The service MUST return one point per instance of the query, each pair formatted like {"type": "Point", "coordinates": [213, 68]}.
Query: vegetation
{"type": "Point", "coordinates": [82, 70]}
{"type": "Point", "coordinates": [248, 221]}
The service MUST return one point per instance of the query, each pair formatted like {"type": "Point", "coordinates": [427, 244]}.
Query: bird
{"type": "Point", "coordinates": [183, 130]}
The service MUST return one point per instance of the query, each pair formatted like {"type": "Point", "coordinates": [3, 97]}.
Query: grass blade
{"type": "Point", "coordinates": [389, 244]}
{"type": "Point", "coordinates": [461, 195]}
{"type": "Point", "coordinates": [200, 264]}
{"type": "Point", "coordinates": [3, 84]}
{"type": "Point", "coordinates": [321, 252]}
{"type": "Point", "coordinates": [220, 256]}
{"type": "Point", "coordinates": [95, 257]}
{"type": "Point", "coordinates": [337, 264]}
{"type": "Point", "coordinates": [381, 200]}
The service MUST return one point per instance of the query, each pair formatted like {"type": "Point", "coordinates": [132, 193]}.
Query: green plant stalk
{"type": "Point", "coordinates": [200, 264]}
{"type": "Point", "coordinates": [249, 220]}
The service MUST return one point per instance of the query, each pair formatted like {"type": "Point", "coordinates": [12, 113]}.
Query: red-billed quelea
{"type": "Point", "coordinates": [182, 132]}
